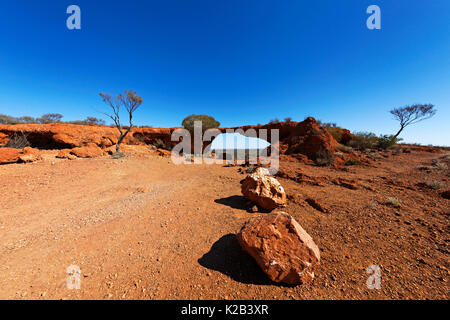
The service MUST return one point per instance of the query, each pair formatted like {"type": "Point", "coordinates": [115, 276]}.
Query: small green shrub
{"type": "Point", "coordinates": [386, 141]}
{"type": "Point", "coordinates": [208, 122]}
{"type": "Point", "coordinates": [369, 140]}
{"type": "Point", "coordinates": [363, 140]}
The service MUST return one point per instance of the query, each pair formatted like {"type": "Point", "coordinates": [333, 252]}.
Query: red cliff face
{"type": "Point", "coordinates": [66, 136]}
{"type": "Point", "coordinates": [302, 138]}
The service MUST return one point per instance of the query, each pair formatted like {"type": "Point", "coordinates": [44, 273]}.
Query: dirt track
{"type": "Point", "coordinates": [144, 228]}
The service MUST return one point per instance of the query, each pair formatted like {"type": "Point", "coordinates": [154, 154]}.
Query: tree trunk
{"type": "Point", "coordinates": [118, 146]}
{"type": "Point", "coordinates": [119, 142]}
{"type": "Point", "coordinates": [396, 135]}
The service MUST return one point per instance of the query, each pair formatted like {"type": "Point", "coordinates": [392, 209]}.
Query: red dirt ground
{"type": "Point", "coordinates": [141, 227]}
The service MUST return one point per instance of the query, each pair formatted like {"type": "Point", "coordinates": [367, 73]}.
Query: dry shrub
{"type": "Point", "coordinates": [393, 201]}
{"type": "Point", "coordinates": [438, 165]}
{"type": "Point", "coordinates": [18, 141]}
{"type": "Point", "coordinates": [343, 148]}
{"type": "Point", "coordinates": [324, 158]}
{"type": "Point", "coordinates": [435, 185]}
{"type": "Point", "coordinates": [425, 168]}
{"type": "Point", "coordinates": [372, 205]}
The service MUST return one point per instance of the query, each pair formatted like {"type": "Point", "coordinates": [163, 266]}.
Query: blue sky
{"type": "Point", "coordinates": [243, 62]}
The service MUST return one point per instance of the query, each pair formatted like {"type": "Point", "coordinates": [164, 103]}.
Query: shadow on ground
{"type": "Point", "coordinates": [235, 202]}
{"type": "Point", "coordinates": [227, 257]}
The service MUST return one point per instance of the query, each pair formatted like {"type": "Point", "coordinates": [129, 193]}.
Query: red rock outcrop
{"type": "Point", "coordinates": [263, 189]}
{"type": "Point", "coordinates": [305, 138]}
{"type": "Point", "coordinates": [310, 139]}
{"type": "Point", "coordinates": [281, 247]}
{"type": "Point", "coordinates": [297, 139]}
{"type": "Point", "coordinates": [67, 136]}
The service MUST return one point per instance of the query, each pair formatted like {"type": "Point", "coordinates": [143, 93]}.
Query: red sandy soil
{"type": "Point", "coordinates": [141, 227]}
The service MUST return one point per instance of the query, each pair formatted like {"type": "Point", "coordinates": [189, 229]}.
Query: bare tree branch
{"type": "Point", "coordinates": [412, 114]}
{"type": "Point", "coordinates": [131, 101]}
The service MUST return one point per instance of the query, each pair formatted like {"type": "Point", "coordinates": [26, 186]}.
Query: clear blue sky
{"type": "Point", "coordinates": [243, 62]}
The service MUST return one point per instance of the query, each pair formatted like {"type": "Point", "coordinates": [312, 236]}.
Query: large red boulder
{"type": "Point", "coordinates": [91, 150]}
{"type": "Point", "coordinates": [281, 247]}
{"type": "Point", "coordinates": [9, 155]}
{"type": "Point", "coordinates": [263, 189]}
{"type": "Point", "coordinates": [30, 155]}
{"type": "Point", "coordinates": [65, 154]}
